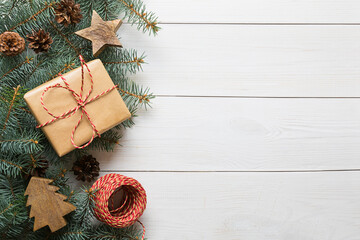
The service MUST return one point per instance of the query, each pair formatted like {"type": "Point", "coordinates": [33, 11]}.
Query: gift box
{"type": "Point", "coordinates": [58, 106]}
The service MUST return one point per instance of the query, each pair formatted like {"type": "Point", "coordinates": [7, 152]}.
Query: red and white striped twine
{"type": "Point", "coordinates": [132, 208]}
{"type": "Point", "coordinates": [81, 103]}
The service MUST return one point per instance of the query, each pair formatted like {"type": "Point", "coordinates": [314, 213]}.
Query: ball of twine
{"type": "Point", "coordinates": [132, 207]}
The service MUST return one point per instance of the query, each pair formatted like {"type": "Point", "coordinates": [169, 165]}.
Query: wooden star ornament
{"type": "Point", "coordinates": [101, 33]}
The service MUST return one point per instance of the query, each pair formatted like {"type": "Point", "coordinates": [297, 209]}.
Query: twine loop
{"type": "Point", "coordinates": [132, 207]}
{"type": "Point", "coordinates": [81, 104]}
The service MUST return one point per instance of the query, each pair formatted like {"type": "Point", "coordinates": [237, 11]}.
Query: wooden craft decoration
{"type": "Point", "coordinates": [101, 33]}
{"type": "Point", "coordinates": [47, 206]}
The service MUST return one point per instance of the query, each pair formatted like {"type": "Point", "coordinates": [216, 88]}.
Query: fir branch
{"type": "Point", "coordinates": [4, 8]}
{"type": "Point", "coordinates": [66, 38]}
{"type": "Point", "coordinates": [111, 141]}
{"type": "Point", "coordinates": [33, 17]}
{"type": "Point", "coordinates": [20, 140]}
{"type": "Point", "coordinates": [126, 64]}
{"type": "Point", "coordinates": [57, 173]}
{"type": "Point", "coordinates": [122, 61]}
{"type": "Point", "coordinates": [67, 67]}
{"type": "Point", "coordinates": [70, 196]}
{"type": "Point", "coordinates": [12, 220]}
{"type": "Point", "coordinates": [107, 141]}
{"type": "Point", "coordinates": [21, 145]}
{"type": "Point", "coordinates": [27, 60]}
{"type": "Point", "coordinates": [141, 98]}
{"type": "Point", "coordinates": [105, 232]}
{"type": "Point", "coordinates": [129, 122]}
{"type": "Point", "coordinates": [37, 161]}
{"type": "Point", "coordinates": [134, 60]}
{"type": "Point", "coordinates": [33, 161]}
{"type": "Point", "coordinates": [15, 3]}
{"type": "Point", "coordinates": [84, 202]}
{"type": "Point", "coordinates": [73, 233]}
{"type": "Point", "coordinates": [10, 115]}
{"type": "Point", "coordinates": [35, 68]}
{"type": "Point", "coordinates": [16, 90]}
{"type": "Point", "coordinates": [106, 11]}
{"type": "Point", "coordinates": [60, 175]}
{"type": "Point", "coordinates": [12, 164]}
{"type": "Point", "coordinates": [24, 109]}
{"type": "Point", "coordinates": [10, 187]}
{"type": "Point", "coordinates": [6, 209]}
{"type": "Point", "coordinates": [135, 12]}
{"type": "Point", "coordinates": [133, 94]}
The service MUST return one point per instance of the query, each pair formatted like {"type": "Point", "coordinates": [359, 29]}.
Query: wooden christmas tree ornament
{"type": "Point", "coordinates": [101, 33]}
{"type": "Point", "coordinates": [47, 206]}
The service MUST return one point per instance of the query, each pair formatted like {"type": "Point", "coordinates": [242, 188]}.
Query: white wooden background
{"type": "Point", "coordinates": [255, 131]}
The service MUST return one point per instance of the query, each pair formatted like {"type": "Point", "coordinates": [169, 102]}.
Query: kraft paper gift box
{"type": "Point", "coordinates": [105, 112]}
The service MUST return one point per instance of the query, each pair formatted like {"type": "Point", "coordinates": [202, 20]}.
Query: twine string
{"type": "Point", "coordinates": [80, 101]}
{"type": "Point", "coordinates": [129, 211]}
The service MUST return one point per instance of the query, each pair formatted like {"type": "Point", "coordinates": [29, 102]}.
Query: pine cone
{"type": "Point", "coordinates": [86, 168]}
{"type": "Point", "coordinates": [67, 12]}
{"type": "Point", "coordinates": [11, 43]}
{"type": "Point", "coordinates": [40, 41]}
{"type": "Point", "coordinates": [40, 170]}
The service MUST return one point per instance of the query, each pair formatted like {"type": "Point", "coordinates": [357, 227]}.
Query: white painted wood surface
{"type": "Point", "coordinates": [256, 129]}
{"type": "Point", "coordinates": [251, 206]}
{"type": "Point", "coordinates": [240, 134]}
{"type": "Point", "coordinates": [257, 11]}
{"type": "Point", "coordinates": [255, 60]}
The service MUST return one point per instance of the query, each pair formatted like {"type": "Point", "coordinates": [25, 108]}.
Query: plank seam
{"type": "Point", "coordinates": [239, 171]}
{"type": "Point", "coordinates": [275, 97]}
{"type": "Point", "coordinates": [259, 24]}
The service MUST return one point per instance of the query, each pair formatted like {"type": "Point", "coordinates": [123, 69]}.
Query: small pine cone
{"type": "Point", "coordinates": [40, 41]}
{"type": "Point", "coordinates": [11, 43]}
{"type": "Point", "coordinates": [40, 169]}
{"type": "Point", "coordinates": [86, 168]}
{"type": "Point", "coordinates": [67, 12]}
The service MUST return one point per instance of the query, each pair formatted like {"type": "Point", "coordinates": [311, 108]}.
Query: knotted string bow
{"type": "Point", "coordinates": [81, 104]}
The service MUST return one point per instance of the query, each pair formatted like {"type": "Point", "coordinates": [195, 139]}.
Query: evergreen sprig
{"type": "Point", "coordinates": [135, 13]}
{"type": "Point", "coordinates": [23, 147]}
{"type": "Point", "coordinates": [126, 61]}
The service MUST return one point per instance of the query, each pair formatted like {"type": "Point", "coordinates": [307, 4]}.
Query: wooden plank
{"type": "Point", "coordinates": [256, 11]}
{"type": "Point", "coordinates": [233, 60]}
{"type": "Point", "coordinates": [251, 206]}
{"type": "Point", "coordinates": [235, 134]}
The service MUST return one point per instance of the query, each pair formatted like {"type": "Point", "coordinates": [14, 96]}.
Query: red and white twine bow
{"type": "Point", "coordinates": [132, 207]}
{"type": "Point", "coordinates": [81, 104]}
